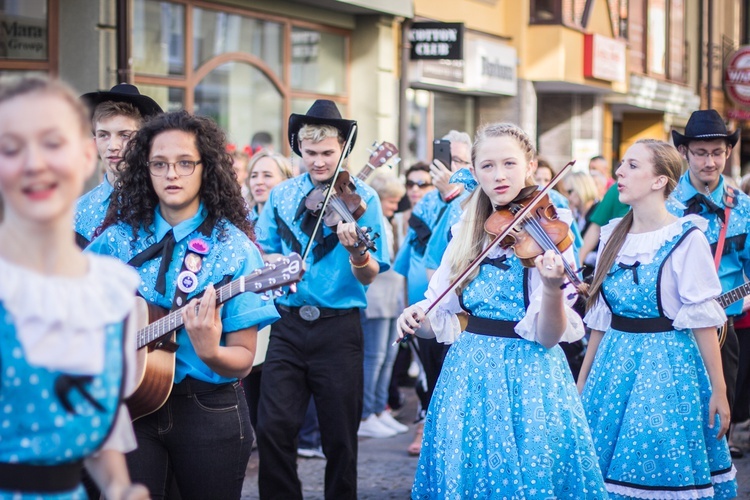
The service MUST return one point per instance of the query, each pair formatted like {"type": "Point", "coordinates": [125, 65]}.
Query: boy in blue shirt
{"type": "Point", "coordinates": [316, 347]}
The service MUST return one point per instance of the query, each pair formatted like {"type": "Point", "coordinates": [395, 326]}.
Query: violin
{"type": "Point", "coordinates": [539, 231]}
{"type": "Point", "coordinates": [345, 205]}
{"type": "Point", "coordinates": [519, 218]}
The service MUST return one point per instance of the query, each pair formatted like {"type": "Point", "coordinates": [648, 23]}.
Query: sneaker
{"type": "Point", "coordinates": [311, 452]}
{"type": "Point", "coordinates": [374, 428]}
{"type": "Point", "coordinates": [387, 419]}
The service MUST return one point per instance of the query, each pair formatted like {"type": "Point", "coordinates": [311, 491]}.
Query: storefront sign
{"type": "Point", "coordinates": [436, 40]}
{"type": "Point", "coordinates": [737, 77]}
{"type": "Point", "coordinates": [604, 58]}
{"type": "Point", "coordinates": [491, 67]}
{"type": "Point", "coordinates": [738, 114]}
{"type": "Point", "coordinates": [23, 37]}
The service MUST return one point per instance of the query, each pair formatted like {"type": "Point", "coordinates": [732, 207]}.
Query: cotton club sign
{"type": "Point", "coordinates": [737, 77]}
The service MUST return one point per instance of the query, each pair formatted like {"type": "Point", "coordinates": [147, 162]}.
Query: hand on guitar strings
{"type": "Point", "coordinates": [203, 324]}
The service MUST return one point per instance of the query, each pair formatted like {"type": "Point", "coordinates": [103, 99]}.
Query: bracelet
{"type": "Point", "coordinates": [453, 195]}
{"type": "Point", "coordinates": [360, 266]}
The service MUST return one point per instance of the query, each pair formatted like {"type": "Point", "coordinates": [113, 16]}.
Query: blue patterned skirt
{"type": "Point", "coordinates": [506, 421]}
{"type": "Point", "coordinates": [647, 400]}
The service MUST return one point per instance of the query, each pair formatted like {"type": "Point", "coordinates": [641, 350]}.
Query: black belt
{"type": "Point", "coordinates": [308, 312]}
{"type": "Point", "coordinates": [193, 386]}
{"type": "Point", "coordinates": [492, 327]}
{"type": "Point", "coordinates": [40, 478]}
{"type": "Point", "coordinates": [641, 325]}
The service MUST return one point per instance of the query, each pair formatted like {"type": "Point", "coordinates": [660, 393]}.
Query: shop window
{"type": "Point", "coordinates": [216, 33]}
{"type": "Point", "coordinates": [316, 61]}
{"type": "Point", "coordinates": [657, 37]}
{"type": "Point", "coordinates": [169, 98]}
{"type": "Point", "coordinates": [23, 30]}
{"type": "Point", "coordinates": [242, 100]}
{"type": "Point", "coordinates": [546, 11]}
{"type": "Point", "coordinates": [158, 38]}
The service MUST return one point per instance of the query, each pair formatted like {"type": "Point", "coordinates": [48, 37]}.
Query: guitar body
{"type": "Point", "coordinates": [154, 367]}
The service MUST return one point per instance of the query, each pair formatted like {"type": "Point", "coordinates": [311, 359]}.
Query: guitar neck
{"type": "Point", "coordinates": [173, 320]}
{"type": "Point", "coordinates": [727, 299]}
{"type": "Point", "coordinates": [365, 172]}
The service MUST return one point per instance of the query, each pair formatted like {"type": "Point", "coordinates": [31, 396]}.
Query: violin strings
{"type": "Point", "coordinates": [544, 237]}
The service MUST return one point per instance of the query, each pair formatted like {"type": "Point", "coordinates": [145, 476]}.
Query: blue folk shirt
{"type": "Point", "coordinates": [329, 281]}
{"type": "Point", "coordinates": [410, 258]}
{"type": "Point", "coordinates": [735, 261]}
{"type": "Point", "coordinates": [231, 255]}
{"type": "Point", "coordinates": [91, 209]}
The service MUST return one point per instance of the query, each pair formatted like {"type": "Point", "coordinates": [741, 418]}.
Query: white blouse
{"type": "Point", "coordinates": [60, 323]}
{"type": "Point", "coordinates": [689, 283]}
{"type": "Point", "coordinates": [444, 322]}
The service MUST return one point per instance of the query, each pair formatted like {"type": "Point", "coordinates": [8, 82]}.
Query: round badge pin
{"type": "Point", "coordinates": [187, 281]}
{"type": "Point", "coordinates": [193, 262]}
{"type": "Point", "coordinates": [199, 246]}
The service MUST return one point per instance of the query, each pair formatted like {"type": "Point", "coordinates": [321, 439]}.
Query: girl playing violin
{"type": "Point", "coordinates": [505, 419]}
{"type": "Point", "coordinates": [66, 352]}
{"type": "Point", "coordinates": [653, 387]}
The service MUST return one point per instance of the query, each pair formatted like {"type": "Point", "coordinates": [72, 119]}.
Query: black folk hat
{"type": "Point", "coordinates": [705, 125]}
{"type": "Point", "coordinates": [124, 92]}
{"type": "Point", "coordinates": [322, 112]}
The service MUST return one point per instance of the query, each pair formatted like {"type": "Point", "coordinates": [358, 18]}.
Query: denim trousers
{"type": "Point", "coordinates": [379, 334]}
{"type": "Point", "coordinates": [201, 437]}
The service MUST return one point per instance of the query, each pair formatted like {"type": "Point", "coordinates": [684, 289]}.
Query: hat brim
{"type": "Point", "coordinates": [683, 140]}
{"type": "Point", "coordinates": [142, 103]}
{"type": "Point", "coordinates": [297, 121]}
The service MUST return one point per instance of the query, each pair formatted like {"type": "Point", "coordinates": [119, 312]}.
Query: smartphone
{"type": "Point", "coordinates": [441, 150]}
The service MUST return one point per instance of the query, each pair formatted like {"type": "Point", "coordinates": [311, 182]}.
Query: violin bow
{"type": "Point", "coordinates": [333, 179]}
{"type": "Point", "coordinates": [519, 216]}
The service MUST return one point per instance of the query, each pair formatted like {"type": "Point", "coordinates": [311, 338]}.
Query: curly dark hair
{"type": "Point", "coordinates": [134, 199]}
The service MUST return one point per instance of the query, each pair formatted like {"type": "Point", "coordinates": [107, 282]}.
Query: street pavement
{"type": "Point", "coordinates": [385, 471]}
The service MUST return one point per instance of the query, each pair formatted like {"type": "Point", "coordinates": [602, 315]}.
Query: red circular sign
{"type": "Point", "coordinates": [737, 77]}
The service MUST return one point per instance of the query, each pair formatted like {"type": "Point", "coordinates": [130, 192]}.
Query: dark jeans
{"type": "Point", "coordinates": [730, 358]}
{"type": "Point", "coordinates": [323, 358]}
{"type": "Point", "coordinates": [741, 408]}
{"type": "Point", "coordinates": [431, 354]}
{"type": "Point", "coordinates": [200, 436]}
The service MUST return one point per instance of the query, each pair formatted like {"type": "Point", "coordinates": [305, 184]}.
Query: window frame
{"type": "Point", "coordinates": [193, 76]}
{"type": "Point", "coordinates": [51, 64]}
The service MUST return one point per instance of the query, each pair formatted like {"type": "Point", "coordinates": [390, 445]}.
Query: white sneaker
{"type": "Point", "coordinates": [387, 419]}
{"type": "Point", "coordinates": [374, 428]}
{"type": "Point", "coordinates": [311, 452]}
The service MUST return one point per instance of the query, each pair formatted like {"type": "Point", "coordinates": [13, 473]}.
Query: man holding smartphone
{"type": "Point", "coordinates": [443, 166]}
{"type": "Point", "coordinates": [450, 154]}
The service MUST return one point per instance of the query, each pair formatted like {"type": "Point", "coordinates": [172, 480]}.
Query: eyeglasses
{"type": "Point", "coordinates": [705, 154]}
{"type": "Point", "coordinates": [419, 184]}
{"type": "Point", "coordinates": [458, 160]}
{"type": "Point", "coordinates": [183, 168]}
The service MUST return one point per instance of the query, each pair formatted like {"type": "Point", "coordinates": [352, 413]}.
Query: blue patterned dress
{"type": "Point", "coordinates": [63, 375]}
{"type": "Point", "coordinates": [505, 420]}
{"type": "Point", "coordinates": [647, 395]}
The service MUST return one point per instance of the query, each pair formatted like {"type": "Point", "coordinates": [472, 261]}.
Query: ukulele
{"type": "Point", "coordinates": [155, 358]}
{"type": "Point", "coordinates": [727, 299]}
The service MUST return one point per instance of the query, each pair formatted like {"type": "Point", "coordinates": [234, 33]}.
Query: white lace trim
{"type": "Point", "coordinates": [643, 246]}
{"type": "Point", "coordinates": [726, 477]}
{"type": "Point", "coordinates": [527, 327]}
{"type": "Point", "coordinates": [670, 495]}
{"type": "Point", "coordinates": [702, 315]}
{"type": "Point", "coordinates": [658, 494]}
{"type": "Point", "coordinates": [59, 321]}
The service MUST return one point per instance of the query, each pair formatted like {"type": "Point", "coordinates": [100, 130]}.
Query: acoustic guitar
{"type": "Point", "coordinates": [727, 299]}
{"type": "Point", "coordinates": [155, 358]}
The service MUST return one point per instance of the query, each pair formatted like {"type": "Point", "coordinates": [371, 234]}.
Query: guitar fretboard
{"type": "Point", "coordinates": [734, 295]}
{"type": "Point", "coordinates": [173, 320]}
